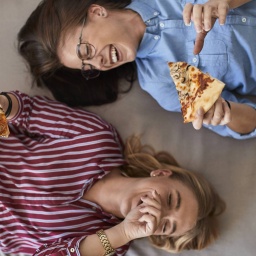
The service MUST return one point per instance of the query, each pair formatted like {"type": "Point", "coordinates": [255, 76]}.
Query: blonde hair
{"type": "Point", "coordinates": [141, 160]}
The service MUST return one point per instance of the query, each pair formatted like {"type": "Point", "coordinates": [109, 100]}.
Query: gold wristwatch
{"type": "Point", "coordinates": [106, 244]}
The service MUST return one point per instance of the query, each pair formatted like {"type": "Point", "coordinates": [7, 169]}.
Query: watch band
{"type": "Point", "coordinates": [105, 242]}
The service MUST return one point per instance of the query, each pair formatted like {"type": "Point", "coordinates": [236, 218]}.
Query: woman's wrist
{"type": "Point", "coordinates": [92, 244]}
{"type": "Point", "coordinates": [243, 118]}
{"type": "Point", "coordinates": [117, 235]}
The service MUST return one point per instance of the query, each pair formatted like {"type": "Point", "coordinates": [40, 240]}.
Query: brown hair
{"type": "Point", "coordinates": [39, 39]}
{"type": "Point", "coordinates": [69, 86]}
{"type": "Point", "coordinates": [141, 160]}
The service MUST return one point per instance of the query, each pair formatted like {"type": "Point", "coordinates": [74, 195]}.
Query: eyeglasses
{"type": "Point", "coordinates": [86, 51]}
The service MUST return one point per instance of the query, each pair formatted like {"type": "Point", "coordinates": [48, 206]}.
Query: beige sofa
{"type": "Point", "coordinates": [229, 164]}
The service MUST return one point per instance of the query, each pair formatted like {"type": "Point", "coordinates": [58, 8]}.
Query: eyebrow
{"type": "Point", "coordinates": [177, 207]}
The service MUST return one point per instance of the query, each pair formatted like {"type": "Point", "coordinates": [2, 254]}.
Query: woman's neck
{"type": "Point", "coordinates": [139, 24]}
{"type": "Point", "coordinates": [107, 192]}
{"type": "Point", "coordinates": [134, 23]}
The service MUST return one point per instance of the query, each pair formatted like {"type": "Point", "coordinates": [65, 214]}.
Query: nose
{"type": "Point", "coordinates": [166, 221]}
{"type": "Point", "coordinates": [96, 62]}
{"type": "Point", "coordinates": [171, 215]}
{"type": "Point", "coordinates": [168, 214]}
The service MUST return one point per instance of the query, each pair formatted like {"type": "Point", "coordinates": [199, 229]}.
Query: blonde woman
{"type": "Point", "coordinates": [69, 187]}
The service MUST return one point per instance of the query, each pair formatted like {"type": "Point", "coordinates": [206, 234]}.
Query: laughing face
{"type": "Point", "coordinates": [177, 204]}
{"type": "Point", "coordinates": [112, 34]}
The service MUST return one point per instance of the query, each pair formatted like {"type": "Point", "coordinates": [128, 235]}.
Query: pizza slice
{"type": "Point", "coordinates": [195, 89]}
{"type": "Point", "coordinates": [4, 129]}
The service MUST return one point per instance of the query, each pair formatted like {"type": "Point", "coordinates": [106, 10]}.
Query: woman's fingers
{"type": "Point", "coordinates": [208, 18]}
{"type": "Point", "coordinates": [187, 13]}
{"type": "Point", "coordinates": [152, 199]}
{"type": "Point", "coordinates": [218, 114]}
{"type": "Point", "coordinates": [151, 210]}
{"type": "Point", "coordinates": [198, 122]}
{"type": "Point", "coordinates": [150, 223]}
{"type": "Point", "coordinates": [197, 17]}
{"type": "Point", "coordinates": [222, 12]}
{"type": "Point", "coordinates": [204, 17]}
{"type": "Point", "coordinates": [227, 113]}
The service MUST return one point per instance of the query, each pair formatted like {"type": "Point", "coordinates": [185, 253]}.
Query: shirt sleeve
{"type": "Point", "coordinates": [41, 116]}
{"type": "Point", "coordinates": [61, 247]}
{"type": "Point", "coordinates": [70, 248]}
{"type": "Point", "coordinates": [225, 131]}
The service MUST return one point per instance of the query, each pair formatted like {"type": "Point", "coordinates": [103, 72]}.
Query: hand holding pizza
{"type": "Point", "coordinates": [204, 17]}
{"type": "Point", "coordinates": [218, 114]}
{"type": "Point", "coordinates": [201, 102]}
{"type": "Point", "coordinates": [198, 90]}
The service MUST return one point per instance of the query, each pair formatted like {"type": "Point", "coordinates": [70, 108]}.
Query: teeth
{"type": "Point", "coordinates": [113, 54]}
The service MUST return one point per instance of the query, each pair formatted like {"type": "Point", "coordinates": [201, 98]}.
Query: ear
{"type": "Point", "coordinates": [161, 172]}
{"type": "Point", "coordinates": [96, 11]}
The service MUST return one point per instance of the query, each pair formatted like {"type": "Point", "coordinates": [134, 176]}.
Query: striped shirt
{"type": "Point", "coordinates": [53, 155]}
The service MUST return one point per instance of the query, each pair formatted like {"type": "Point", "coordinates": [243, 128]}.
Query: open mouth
{"type": "Point", "coordinates": [113, 54]}
{"type": "Point", "coordinates": [140, 202]}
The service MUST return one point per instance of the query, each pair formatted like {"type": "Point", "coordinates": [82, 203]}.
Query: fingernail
{"type": "Point", "coordinates": [207, 28]}
{"type": "Point", "coordinates": [188, 24]}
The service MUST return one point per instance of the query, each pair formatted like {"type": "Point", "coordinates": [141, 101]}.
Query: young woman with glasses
{"type": "Point", "coordinates": [68, 187]}
{"type": "Point", "coordinates": [98, 36]}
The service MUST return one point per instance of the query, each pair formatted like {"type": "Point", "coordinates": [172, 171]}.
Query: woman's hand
{"type": "Point", "coordinates": [218, 114]}
{"type": "Point", "coordinates": [145, 218]}
{"type": "Point", "coordinates": [204, 17]}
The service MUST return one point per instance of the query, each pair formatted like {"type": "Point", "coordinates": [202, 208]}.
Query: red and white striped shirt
{"type": "Point", "coordinates": [53, 155]}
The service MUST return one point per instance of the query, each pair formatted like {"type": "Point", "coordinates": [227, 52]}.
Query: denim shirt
{"type": "Point", "coordinates": [229, 53]}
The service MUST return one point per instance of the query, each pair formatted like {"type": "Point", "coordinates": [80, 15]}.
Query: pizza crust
{"type": "Point", "coordinates": [206, 101]}
{"type": "Point", "coordinates": [4, 129]}
{"type": "Point", "coordinates": [195, 89]}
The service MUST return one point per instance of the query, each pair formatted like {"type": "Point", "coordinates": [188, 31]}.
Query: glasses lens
{"type": "Point", "coordinates": [89, 72]}
{"type": "Point", "coordinates": [85, 51]}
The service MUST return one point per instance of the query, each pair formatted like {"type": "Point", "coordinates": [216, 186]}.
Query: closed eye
{"type": "Point", "coordinates": [169, 200]}
{"type": "Point", "coordinates": [169, 203]}
{"type": "Point", "coordinates": [164, 227]}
